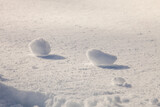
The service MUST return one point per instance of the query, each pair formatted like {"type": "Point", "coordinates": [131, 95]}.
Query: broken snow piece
{"type": "Point", "coordinates": [100, 58]}
{"type": "Point", "coordinates": [118, 81]}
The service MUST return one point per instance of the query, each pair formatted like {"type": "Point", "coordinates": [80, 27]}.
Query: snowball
{"type": "Point", "coordinates": [40, 47]}
{"type": "Point", "coordinates": [100, 58]}
{"type": "Point", "coordinates": [119, 81]}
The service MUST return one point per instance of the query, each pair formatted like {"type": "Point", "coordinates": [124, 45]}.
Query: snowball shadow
{"type": "Point", "coordinates": [115, 67]}
{"type": "Point", "coordinates": [53, 57]}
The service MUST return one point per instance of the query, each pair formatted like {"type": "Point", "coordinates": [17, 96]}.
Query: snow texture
{"type": "Point", "coordinates": [99, 58]}
{"type": "Point", "coordinates": [12, 97]}
{"type": "Point", "coordinates": [40, 47]}
{"type": "Point", "coordinates": [99, 101]}
{"type": "Point", "coordinates": [73, 104]}
{"type": "Point", "coordinates": [104, 101]}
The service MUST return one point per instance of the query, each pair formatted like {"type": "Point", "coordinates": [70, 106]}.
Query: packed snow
{"type": "Point", "coordinates": [104, 101]}
{"type": "Point", "coordinates": [11, 97]}
{"type": "Point", "coordinates": [40, 47]}
{"type": "Point", "coordinates": [99, 58]}
{"type": "Point", "coordinates": [120, 37]}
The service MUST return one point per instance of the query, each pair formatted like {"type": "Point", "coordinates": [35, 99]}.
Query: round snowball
{"type": "Point", "coordinates": [100, 58]}
{"type": "Point", "coordinates": [40, 47]}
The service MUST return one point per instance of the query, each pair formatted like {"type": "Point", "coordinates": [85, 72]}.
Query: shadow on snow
{"type": "Point", "coordinates": [115, 67]}
{"type": "Point", "coordinates": [53, 57]}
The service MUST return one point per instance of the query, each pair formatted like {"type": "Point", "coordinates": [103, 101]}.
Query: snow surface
{"type": "Point", "coordinates": [40, 47]}
{"type": "Point", "coordinates": [100, 58]}
{"type": "Point", "coordinates": [11, 97]}
{"type": "Point", "coordinates": [128, 29]}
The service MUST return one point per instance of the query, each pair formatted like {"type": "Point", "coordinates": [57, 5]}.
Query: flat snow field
{"type": "Point", "coordinates": [127, 29]}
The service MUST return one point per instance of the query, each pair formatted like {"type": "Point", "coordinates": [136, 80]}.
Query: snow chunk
{"type": "Point", "coordinates": [58, 102]}
{"type": "Point", "coordinates": [40, 47]}
{"type": "Point", "coordinates": [73, 104]}
{"type": "Point", "coordinates": [100, 58]}
{"type": "Point", "coordinates": [119, 81]}
{"type": "Point", "coordinates": [103, 101]}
